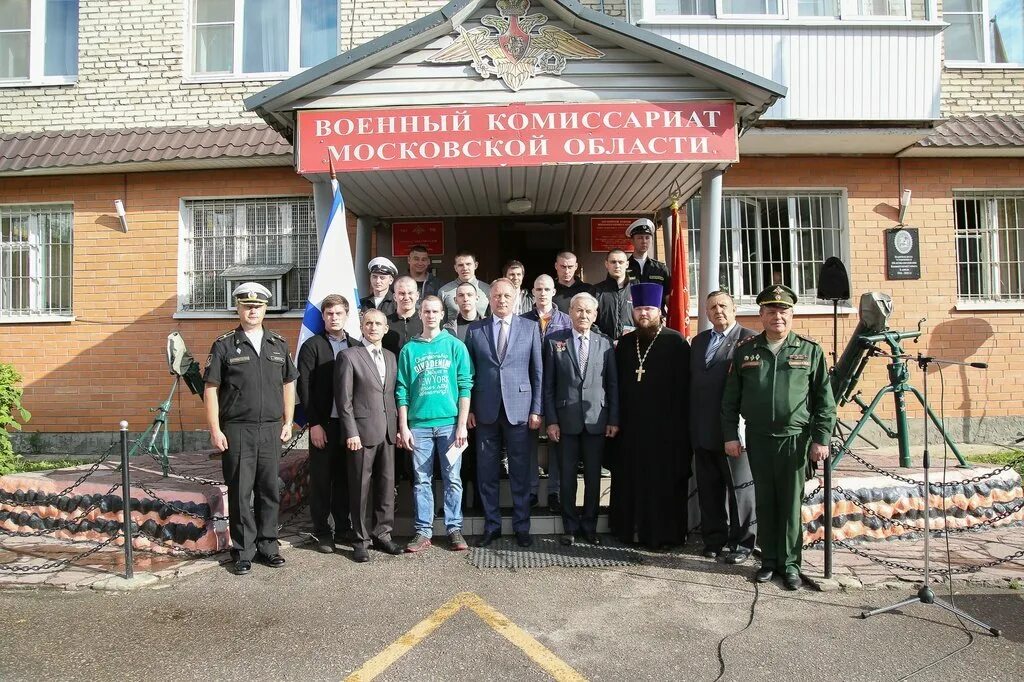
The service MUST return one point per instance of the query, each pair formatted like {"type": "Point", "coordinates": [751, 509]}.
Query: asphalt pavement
{"type": "Point", "coordinates": [673, 617]}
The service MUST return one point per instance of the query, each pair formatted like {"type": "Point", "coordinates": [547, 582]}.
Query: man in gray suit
{"type": "Point", "coordinates": [724, 488]}
{"type": "Point", "coordinates": [364, 388]}
{"type": "Point", "coordinates": [506, 404]}
{"type": "Point", "coordinates": [581, 401]}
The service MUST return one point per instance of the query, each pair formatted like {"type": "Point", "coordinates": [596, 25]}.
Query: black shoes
{"type": "Point", "coordinates": [324, 544]}
{"type": "Point", "coordinates": [387, 546]}
{"type": "Point", "coordinates": [274, 560]}
{"type": "Point", "coordinates": [488, 537]}
{"type": "Point", "coordinates": [737, 557]}
{"type": "Point", "coordinates": [243, 567]}
{"type": "Point", "coordinates": [554, 504]}
{"type": "Point", "coordinates": [590, 538]}
{"type": "Point", "coordinates": [712, 552]}
{"type": "Point", "coordinates": [360, 555]}
{"type": "Point", "coordinates": [763, 575]}
{"type": "Point", "coordinates": [568, 540]}
{"type": "Point", "coordinates": [791, 581]}
{"type": "Point", "coordinates": [523, 538]}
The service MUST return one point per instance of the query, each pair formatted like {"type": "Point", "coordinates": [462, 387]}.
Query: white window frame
{"type": "Point", "coordinates": [790, 14]}
{"type": "Point", "coordinates": [791, 194]}
{"type": "Point", "coordinates": [989, 248]}
{"type": "Point", "coordinates": [236, 73]}
{"type": "Point", "coordinates": [37, 52]}
{"type": "Point", "coordinates": [35, 265]}
{"type": "Point", "coordinates": [185, 253]}
{"type": "Point", "coordinates": [986, 45]}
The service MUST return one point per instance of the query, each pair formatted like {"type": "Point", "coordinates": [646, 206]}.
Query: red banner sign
{"type": "Point", "coordinates": [516, 135]}
{"type": "Point", "coordinates": [404, 236]}
{"type": "Point", "coordinates": [610, 233]}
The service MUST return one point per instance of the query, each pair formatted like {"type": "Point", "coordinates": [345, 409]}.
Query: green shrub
{"type": "Point", "coordinates": [11, 412]}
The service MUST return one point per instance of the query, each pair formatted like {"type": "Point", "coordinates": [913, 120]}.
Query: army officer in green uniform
{"type": "Point", "coordinates": [250, 402]}
{"type": "Point", "coordinates": [779, 384]}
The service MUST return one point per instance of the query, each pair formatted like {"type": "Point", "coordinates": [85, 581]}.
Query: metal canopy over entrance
{"type": "Point", "coordinates": [513, 53]}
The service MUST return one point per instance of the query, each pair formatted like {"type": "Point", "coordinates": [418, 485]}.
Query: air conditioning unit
{"type": "Point", "coordinates": [271, 276]}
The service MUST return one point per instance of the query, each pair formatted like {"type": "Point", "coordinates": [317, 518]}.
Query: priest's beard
{"type": "Point", "coordinates": [648, 329]}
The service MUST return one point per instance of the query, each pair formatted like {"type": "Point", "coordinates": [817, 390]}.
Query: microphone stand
{"type": "Point", "coordinates": [925, 595]}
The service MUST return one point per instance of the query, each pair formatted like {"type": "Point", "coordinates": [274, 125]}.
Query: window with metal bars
{"type": "Point", "coordinates": [35, 260]}
{"type": "Point", "coordinates": [773, 238]}
{"type": "Point", "coordinates": [989, 252]}
{"type": "Point", "coordinates": [252, 231]}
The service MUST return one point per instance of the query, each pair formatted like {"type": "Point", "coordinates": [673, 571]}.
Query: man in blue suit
{"type": "Point", "coordinates": [506, 404]}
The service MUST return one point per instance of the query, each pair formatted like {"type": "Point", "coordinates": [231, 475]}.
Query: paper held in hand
{"type": "Point", "coordinates": [454, 451]}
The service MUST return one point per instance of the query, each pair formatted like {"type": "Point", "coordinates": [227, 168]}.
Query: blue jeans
{"type": "Point", "coordinates": [428, 443]}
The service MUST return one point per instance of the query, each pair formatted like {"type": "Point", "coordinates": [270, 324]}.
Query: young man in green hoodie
{"type": "Point", "coordinates": [435, 377]}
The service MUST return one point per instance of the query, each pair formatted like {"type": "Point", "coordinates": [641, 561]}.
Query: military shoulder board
{"type": "Point", "coordinates": [226, 335]}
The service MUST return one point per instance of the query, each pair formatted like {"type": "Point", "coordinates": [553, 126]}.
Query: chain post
{"type": "Point", "coordinates": [126, 496]}
{"type": "Point", "coordinates": [827, 498]}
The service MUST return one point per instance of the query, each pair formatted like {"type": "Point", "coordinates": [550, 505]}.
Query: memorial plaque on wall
{"type": "Point", "coordinates": [902, 253]}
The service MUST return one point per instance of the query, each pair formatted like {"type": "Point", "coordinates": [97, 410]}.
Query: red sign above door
{"type": "Point", "coordinates": [516, 135]}
{"type": "Point", "coordinates": [610, 233]}
{"type": "Point", "coordinates": [404, 236]}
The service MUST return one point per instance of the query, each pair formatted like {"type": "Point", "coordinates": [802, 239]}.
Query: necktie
{"type": "Point", "coordinates": [502, 340]}
{"type": "Point", "coordinates": [716, 340]}
{"type": "Point", "coordinates": [379, 361]}
{"type": "Point", "coordinates": [584, 355]}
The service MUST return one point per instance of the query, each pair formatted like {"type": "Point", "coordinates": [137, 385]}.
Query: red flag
{"type": "Point", "coordinates": [679, 295]}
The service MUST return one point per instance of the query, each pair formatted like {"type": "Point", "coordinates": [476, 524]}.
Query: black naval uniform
{"type": "Point", "coordinates": [251, 397]}
{"type": "Point", "coordinates": [654, 271]}
{"type": "Point", "coordinates": [387, 304]}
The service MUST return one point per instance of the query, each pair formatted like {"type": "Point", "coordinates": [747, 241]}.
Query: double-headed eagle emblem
{"type": "Point", "coordinates": [512, 47]}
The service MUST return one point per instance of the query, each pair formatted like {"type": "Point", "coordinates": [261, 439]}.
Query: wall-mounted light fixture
{"type": "Point", "coordinates": [519, 205]}
{"type": "Point", "coordinates": [121, 215]}
{"type": "Point", "coordinates": [904, 205]}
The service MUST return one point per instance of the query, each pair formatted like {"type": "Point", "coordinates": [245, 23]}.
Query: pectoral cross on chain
{"type": "Point", "coordinates": [640, 374]}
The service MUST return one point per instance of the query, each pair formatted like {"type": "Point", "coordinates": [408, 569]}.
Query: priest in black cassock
{"type": "Point", "coordinates": [651, 467]}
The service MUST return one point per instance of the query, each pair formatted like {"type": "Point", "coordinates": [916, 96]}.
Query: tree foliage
{"type": "Point", "coordinates": [11, 413]}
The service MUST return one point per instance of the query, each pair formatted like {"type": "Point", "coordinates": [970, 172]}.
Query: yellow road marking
{"type": "Point", "coordinates": [540, 654]}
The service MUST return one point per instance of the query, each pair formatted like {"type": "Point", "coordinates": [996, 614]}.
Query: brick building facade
{"type": "Point", "coordinates": [100, 359]}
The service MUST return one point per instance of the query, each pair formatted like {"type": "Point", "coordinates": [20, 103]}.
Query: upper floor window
{"type": "Point", "coordinates": [987, 31]}
{"type": "Point", "coordinates": [780, 9]}
{"type": "Point", "coordinates": [38, 41]}
{"type": "Point", "coordinates": [262, 232]}
{"type": "Point", "coordinates": [772, 237]}
{"type": "Point", "coordinates": [266, 37]}
{"type": "Point", "coordinates": [989, 246]}
{"type": "Point", "coordinates": [35, 261]}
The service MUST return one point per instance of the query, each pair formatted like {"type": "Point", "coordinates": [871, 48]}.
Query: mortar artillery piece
{"type": "Point", "coordinates": [182, 366]}
{"type": "Point", "coordinates": [871, 332]}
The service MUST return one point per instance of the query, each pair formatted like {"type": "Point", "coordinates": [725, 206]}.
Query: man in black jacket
{"type": "Point", "coordinates": [615, 307]}
{"type": "Point", "coordinates": [328, 478]}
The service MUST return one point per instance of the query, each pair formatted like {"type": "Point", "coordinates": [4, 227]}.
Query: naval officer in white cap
{"type": "Point", "coordinates": [382, 276]}
{"type": "Point", "coordinates": [641, 267]}
{"type": "Point", "coordinates": [250, 403]}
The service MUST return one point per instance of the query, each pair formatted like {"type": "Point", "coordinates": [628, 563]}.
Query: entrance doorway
{"type": "Point", "coordinates": [533, 240]}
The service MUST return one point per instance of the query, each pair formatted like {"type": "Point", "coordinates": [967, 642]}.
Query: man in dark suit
{"type": "Point", "coordinates": [328, 477]}
{"type": "Point", "coordinates": [581, 404]}
{"type": "Point", "coordinates": [724, 488]}
{"type": "Point", "coordinates": [506, 404]}
{"type": "Point", "coordinates": [364, 389]}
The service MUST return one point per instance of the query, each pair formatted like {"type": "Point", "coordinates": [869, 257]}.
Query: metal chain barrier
{"type": "Point", "coordinates": [98, 500]}
{"type": "Point", "coordinates": [952, 484]}
{"type": "Point", "coordinates": [175, 508]}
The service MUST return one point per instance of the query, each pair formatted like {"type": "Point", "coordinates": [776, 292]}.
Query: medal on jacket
{"type": "Point", "coordinates": [642, 359]}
